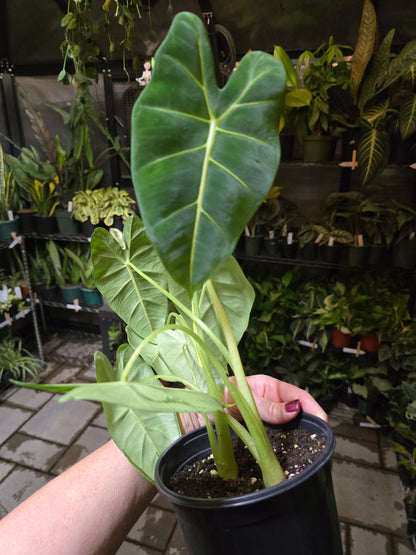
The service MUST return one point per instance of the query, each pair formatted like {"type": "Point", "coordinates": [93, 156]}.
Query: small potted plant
{"type": "Point", "coordinates": [43, 199]}
{"type": "Point", "coordinates": [199, 188]}
{"type": "Point", "coordinates": [296, 97]}
{"type": "Point", "coordinates": [16, 362]}
{"type": "Point", "coordinates": [117, 206]}
{"type": "Point", "coordinates": [42, 273]}
{"type": "Point", "coordinates": [324, 72]}
{"type": "Point", "coordinates": [87, 207]}
{"type": "Point", "coordinates": [90, 293]}
{"type": "Point", "coordinates": [67, 272]}
{"type": "Point", "coordinates": [9, 201]}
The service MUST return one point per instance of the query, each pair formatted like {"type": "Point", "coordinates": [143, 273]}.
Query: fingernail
{"type": "Point", "coordinates": [292, 406]}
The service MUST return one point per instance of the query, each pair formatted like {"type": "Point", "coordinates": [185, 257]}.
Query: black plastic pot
{"type": "Point", "coordinates": [297, 516]}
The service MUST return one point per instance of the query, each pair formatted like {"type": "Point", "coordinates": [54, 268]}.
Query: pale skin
{"type": "Point", "coordinates": [90, 508]}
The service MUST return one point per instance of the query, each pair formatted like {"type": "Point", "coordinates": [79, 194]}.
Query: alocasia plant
{"type": "Point", "coordinates": [203, 159]}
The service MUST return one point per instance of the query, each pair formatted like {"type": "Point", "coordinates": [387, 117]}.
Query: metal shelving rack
{"type": "Point", "coordinates": [9, 244]}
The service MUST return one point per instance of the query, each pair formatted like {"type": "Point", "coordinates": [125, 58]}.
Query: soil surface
{"type": "Point", "coordinates": [295, 450]}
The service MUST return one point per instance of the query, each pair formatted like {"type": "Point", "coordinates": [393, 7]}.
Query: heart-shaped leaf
{"type": "Point", "coordinates": [204, 159]}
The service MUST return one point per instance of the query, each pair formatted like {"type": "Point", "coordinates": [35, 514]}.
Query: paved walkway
{"type": "Point", "coordinates": [40, 438]}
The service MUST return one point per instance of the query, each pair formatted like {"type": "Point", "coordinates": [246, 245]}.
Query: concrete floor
{"type": "Point", "coordinates": [40, 438]}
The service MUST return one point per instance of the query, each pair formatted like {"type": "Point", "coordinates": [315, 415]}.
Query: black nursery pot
{"type": "Point", "coordinates": [297, 516]}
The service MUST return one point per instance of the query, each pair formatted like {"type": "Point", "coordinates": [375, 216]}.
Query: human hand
{"type": "Point", "coordinates": [277, 402]}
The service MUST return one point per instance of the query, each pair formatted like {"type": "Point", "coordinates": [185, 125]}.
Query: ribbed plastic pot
{"type": "Point", "coordinates": [71, 293]}
{"type": "Point", "coordinates": [7, 227]}
{"type": "Point", "coordinates": [91, 297]}
{"type": "Point", "coordinates": [66, 223]}
{"type": "Point", "coordinates": [297, 516]}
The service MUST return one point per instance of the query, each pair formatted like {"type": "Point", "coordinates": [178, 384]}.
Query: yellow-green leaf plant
{"type": "Point", "coordinates": [203, 160]}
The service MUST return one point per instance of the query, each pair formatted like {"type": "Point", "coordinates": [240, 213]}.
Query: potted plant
{"type": "Point", "coordinates": [44, 199]}
{"type": "Point", "coordinates": [90, 293]}
{"type": "Point", "coordinates": [324, 72]}
{"type": "Point", "coordinates": [117, 206]}
{"type": "Point", "coordinates": [16, 362]}
{"type": "Point", "coordinates": [9, 201]}
{"type": "Point", "coordinates": [350, 207]}
{"type": "Point", "coordinates": [42, 273]}
{"type": "Point", "coordinates": [295, 98]}
{"type": "Point", "coordinates": [87, 208]}
{"type": "Point", "coordinates": [380, 104]}
{"type": "Point", "coordinates": [67, 271]}
{"type": "Point", "coordinates": [164, 261]}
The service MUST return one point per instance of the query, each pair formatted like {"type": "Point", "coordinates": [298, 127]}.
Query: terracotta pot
{"type": "Point", "coordinates": [369, 342]}
{"type": "Point", "coordinates": [340, 339]}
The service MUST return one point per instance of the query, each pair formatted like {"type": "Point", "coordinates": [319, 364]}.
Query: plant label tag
{"type": "Point", "coordinates": [18, 292]}
{"type": "Point", "coordinates": [8, 319]}
{"type": "Point", "coordinates": [4, 294]}
{"type": "Point", "coordinates": [290, 238]}
{"type": "Point", "coordinates": [16, 239]}
{"type": "Point", "coordinates": [284, 230]}
{"type": "Point", "coordinates": [74, 306]}
{"type": "Point", "coordinates": [319, 238]}
{"type": "Point", "coordinates": [70, 206]}
{"type": "Point", "coordinates": [271, 234]}
{"type": "Point", "coordinates": [10, 214]}
{"type": "Point", "coordinates": [412, 236]}
{"type": "Point", "coordinates": [360, 240]}
{"type": "Point", "coordinates": [331, 242]}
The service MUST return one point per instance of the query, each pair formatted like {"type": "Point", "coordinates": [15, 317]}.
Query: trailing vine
{"type": "Point", "coordinates": [82, 26]}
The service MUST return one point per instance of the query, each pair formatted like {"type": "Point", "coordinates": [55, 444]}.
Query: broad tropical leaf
{"type": "Point", "coordinates": [378, 69]}
{"type": "Point", "coordinates": [137, 302]}
{"type": "Point", "coordinates": [141, 436]}
{"type": "Point", "coordinates": [203, 160]}
{"type": "Point", "coordinates": [372, 154]}
{"type": "Point", "coordinates": [235, 293]}
{"type": "Point", "coordinates": [364, 47]}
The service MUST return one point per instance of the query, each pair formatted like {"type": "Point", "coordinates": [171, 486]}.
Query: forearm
{"type": "Point", "coordinates": [88, 509]}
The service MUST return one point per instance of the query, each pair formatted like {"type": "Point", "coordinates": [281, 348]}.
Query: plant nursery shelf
{"type": "Point", "coordinates": [57, 237]}
{"type": "Point", "coordinates": [83, 308]}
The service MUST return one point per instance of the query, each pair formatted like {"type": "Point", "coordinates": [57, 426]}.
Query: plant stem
{"type": "Point", "coordinates": [271, 470]}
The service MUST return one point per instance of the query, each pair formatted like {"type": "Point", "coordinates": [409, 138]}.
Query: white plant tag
{"type": "Point", "coordinates": [360, 240]}
{"type": "Point", "coordinates": [290, 238]}
{"type": "Point", "coordinates": [331, 242]}
{"type": "Point", "coordinates": [4, 294]}
{"type": "Point", "coordinates": [412, 236]}
{"type": "Point", "coordinates": [10, 214]}
{"type": "Point", "coordinates": [70, 206]}
{"type": "Point", "coordinates": [319, 238]}
{"type": "Point", "coordinates": [18, 292]}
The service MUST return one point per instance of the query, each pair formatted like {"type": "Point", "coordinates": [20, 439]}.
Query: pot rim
{"type": "Point", "coordinates": [302, 421]}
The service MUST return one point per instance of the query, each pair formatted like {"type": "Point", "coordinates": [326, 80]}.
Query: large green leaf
{"type": "Point", "coordinates": [204, 159]}
{"type": "Point", "coordinates": [235, 293]}
{"type": "Point", "coordinates": [137, 302]}
{"type": "Point", "coordinates": [141, 436]}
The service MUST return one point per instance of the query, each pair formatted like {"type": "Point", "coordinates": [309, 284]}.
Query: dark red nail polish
{"type": "Point", "coordinates": [292, 406]}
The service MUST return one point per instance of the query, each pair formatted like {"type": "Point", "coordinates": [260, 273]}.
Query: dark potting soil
{"type": "Point", "coordinates": [295, 450]}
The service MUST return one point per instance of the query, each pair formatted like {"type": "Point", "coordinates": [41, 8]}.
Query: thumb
{"type": "Point", "coordinates": [277, 413]}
